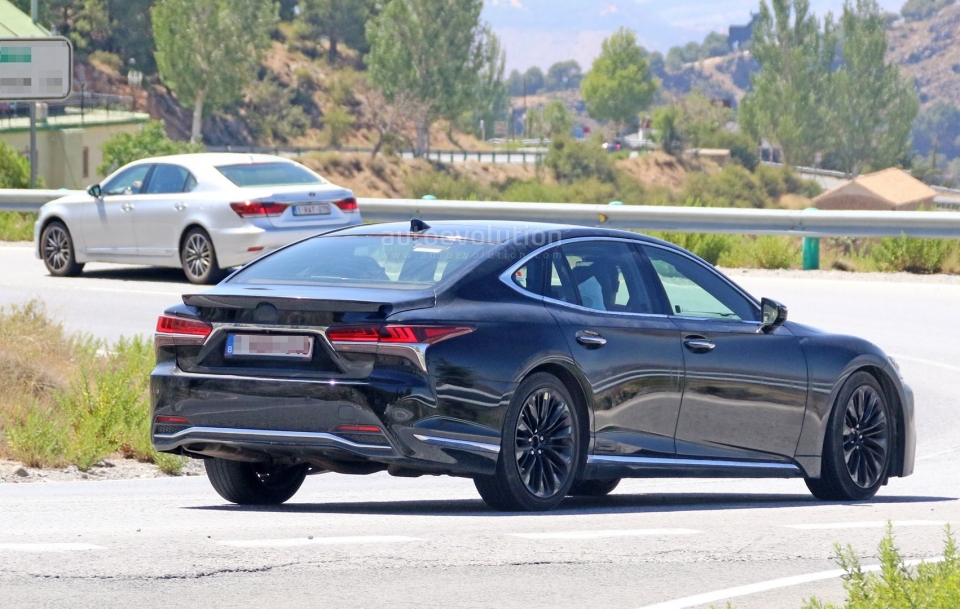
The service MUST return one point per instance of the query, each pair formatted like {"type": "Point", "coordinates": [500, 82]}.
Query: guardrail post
{"type": "Point", "coordinates": [811, 250]}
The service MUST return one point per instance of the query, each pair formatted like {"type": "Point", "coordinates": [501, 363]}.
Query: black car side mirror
{"type": "Point", "coordinates": [95, 191]}
{"type": "Point", "coordinates": [774, 315]}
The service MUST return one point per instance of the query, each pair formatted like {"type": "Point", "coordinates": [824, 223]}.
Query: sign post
{"type": "Point", "coordinates": [33, 70]}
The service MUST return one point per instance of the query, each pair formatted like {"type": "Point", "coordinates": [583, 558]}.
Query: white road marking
{"type": "Point", "coordinates": [928, 362]}
{"type": "Point", "coordinates": [878, 524]}
{"type": "Point", "coordinates": [48, 547]}
{"type": "Point", "coordinates": [774, 584]}
{"type": "Point", "coordinates": [318, 541]}
{"type": "Point", "coordinates": [607, 534]}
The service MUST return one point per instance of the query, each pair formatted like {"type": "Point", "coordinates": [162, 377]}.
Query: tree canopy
{"type": "Point", "coordinates": [432, 53]}
{"type": "Point", "coordinates": [14, 168]}
{"type": "Point", "coordinates": [340, 21]}
{"type": "Point", "coordinates": [620, 84]}
{"type": "Point", "coordinates": [563, 75]}
{"type": "Point", "coordinates": [871, 107]}
{"type": "Point", "coordinates": [208, 50]}
{"type": "Point", "coordinates": [150, 141]}
{"type": "Point", "coordinates": [792, 89]}
{"type": "Point", "coordinates": [853, 107]}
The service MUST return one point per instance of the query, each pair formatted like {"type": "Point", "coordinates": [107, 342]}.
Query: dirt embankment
{"type": "Point", "coordinates": [387, 177]}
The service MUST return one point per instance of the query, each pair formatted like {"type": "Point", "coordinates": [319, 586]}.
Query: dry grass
{"type": "Point", "coordinates": [36, 359]}
{"type": "Point", "coordinates": [70, 399]}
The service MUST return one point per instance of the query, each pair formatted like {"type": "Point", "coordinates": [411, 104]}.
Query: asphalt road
{"type": "Point", "coordinates": [381, 541]}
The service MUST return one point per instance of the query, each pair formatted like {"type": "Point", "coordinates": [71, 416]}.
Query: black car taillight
{"type": "Point", "coordinates": [169, 325]}
{"type": "Point", "coordinates": [424, 335]}
{"type": "Point", "coordinates": [175, 331]}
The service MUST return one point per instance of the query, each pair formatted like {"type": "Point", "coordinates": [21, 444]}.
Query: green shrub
{"type": "Point", "coordinates": [270, 113]}
{"type": "Point", "coordinates": [710, 247]}
{"type": "Point", "coordinates": [37, 440]}
{"type": "Point", "coordinates": [446, 186]}
{"type": "Point", "coordinates": [903, 254]}
{"type": "Point", "coordinates": [897, 586]}
{"type": "Point", "coordinates": [337, 124]}
{"type": "Point", "coordinates": [733, 186]}
{"type": "Point", "coordinates": [14, 168]}
{"type": "Point", "coordinates": [571, 160]}
{"type": "Point", "coordinates": [762, 253]}
{"type": "Point", "coordinates": [16, 226]}
{"type": "Point", "coordinates": [108, 60]}
{"type": "Point", "coordinates": [742, 148]}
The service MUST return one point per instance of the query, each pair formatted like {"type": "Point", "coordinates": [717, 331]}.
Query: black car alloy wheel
{"type": "Point", "coordinates": [544, 446]}
{"type": "Point", "coordinates": [856, 449]}
{"type": "Point", "coordinates": [865, 436]}
{"type": "Point", "coordinates": [540, 449]}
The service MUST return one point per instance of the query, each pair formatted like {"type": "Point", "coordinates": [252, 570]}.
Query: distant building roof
{"type": "Point", "coordinates": [888, 189]}
{"type": "Point", "coordinates": [14, 23]}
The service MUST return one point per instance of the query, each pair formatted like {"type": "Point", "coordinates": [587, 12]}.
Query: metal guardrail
{"type": "Point", "coordinates": [945, 225]}
{"type": "Point", "coordinates": [29, 200]}
{"type": "Point", "coordinates": [677, 219]}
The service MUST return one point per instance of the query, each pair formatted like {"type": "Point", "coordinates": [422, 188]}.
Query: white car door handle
{"type": "Point", "coordinates": [127, 207]}
{"type": "Point", "coordinates": [180, 206]}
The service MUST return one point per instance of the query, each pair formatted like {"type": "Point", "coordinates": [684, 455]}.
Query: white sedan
{"type": "Point", "coordinates": [201, 212]}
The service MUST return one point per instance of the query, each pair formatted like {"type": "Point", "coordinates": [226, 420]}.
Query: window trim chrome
{"type": "Point", "coordinates": [507, 278]}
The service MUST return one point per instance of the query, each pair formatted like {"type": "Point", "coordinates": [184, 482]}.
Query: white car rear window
{"type": "Point", "coordinates": [253, 175]}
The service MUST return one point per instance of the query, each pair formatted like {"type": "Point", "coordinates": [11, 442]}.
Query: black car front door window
{"type": "Point", "coordinates": [695, 291]}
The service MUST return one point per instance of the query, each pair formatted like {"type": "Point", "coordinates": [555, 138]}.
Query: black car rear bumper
{"type": "Point", "coordinates": [298, 419]}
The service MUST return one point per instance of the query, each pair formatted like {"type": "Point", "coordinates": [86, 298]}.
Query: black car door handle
{"type": "Point", "coordinates": [590, 339]}
{"type": "Point", "coordinates": [698, 344]}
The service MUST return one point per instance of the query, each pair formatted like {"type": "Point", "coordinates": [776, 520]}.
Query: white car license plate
{"type": "Point", "coordinates": [316, 209]}
{"type": "Point", "coordinates": [262, 345]}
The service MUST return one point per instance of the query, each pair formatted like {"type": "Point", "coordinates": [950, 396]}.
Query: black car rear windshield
{"type": "Point", "coordinates": [393, 262]}
{"type": "Point", "coordinates": [269, 174]}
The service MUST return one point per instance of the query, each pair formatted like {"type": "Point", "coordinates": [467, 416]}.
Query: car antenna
{"type": "Point", "coordinates": [418, 226]}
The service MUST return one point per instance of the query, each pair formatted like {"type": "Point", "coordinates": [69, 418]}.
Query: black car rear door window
{"type": "Point", "coordinates": [696, 291]}
{"type": "Point", "coordinates": [606, 276]}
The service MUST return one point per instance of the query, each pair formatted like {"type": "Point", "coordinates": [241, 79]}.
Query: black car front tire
{"type": "Point", "coordinates": [252, 483]}
{"type": "Point", "coordinates": [199, 258]}
{"type": "Point", "coordinates": [59, 255]}
{"type": "Point", "coordinates": [857, 448]}
{"type": "Point", "coordinates": [540, 449]}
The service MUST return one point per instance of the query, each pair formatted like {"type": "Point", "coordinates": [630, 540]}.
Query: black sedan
{"type": "Point", "coordinates": [539, 360]}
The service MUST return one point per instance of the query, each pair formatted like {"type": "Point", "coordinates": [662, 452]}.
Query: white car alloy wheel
{"type": "Point", "coordinates": [199, 258]}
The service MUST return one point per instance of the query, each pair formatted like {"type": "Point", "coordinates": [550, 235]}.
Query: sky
{"type": "Point", "coordinates": [542, 32]}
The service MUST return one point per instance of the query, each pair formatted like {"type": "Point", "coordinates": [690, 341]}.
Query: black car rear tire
{"type": "Point", "coordinates": [540, 449]}
{"type": "Point", "coordinates": [593, 488]}
{"type": "Point", "coordinates": [859, 441]}
{"type": "Point", "coordinates": [59, 255]}
{"type": "Point", "coordinates": [253, 483]}
{"type": "Point", "coordinates": [199, 258]}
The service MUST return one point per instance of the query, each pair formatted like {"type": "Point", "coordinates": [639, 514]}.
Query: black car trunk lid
{"type": "Point", "coordinates": [291, 311]}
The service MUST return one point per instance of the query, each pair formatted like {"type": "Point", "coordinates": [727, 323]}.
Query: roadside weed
{"type": "Point", "coordinates": [903, 254]}
{"type": "Point", "coordinates": [16, 226]}
{"type": "Point", "coordinates": [896, 586]}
